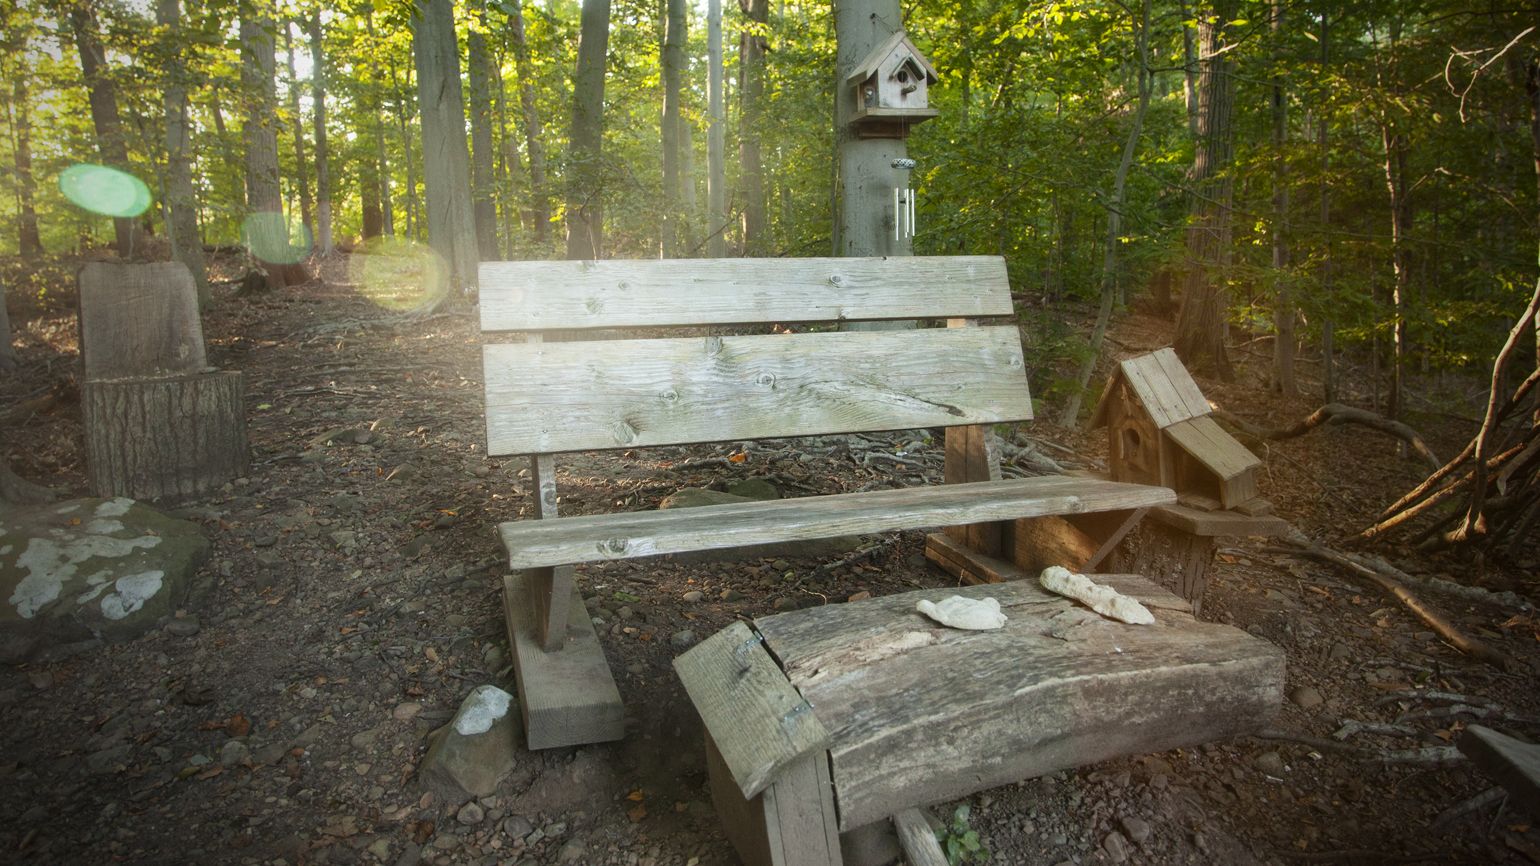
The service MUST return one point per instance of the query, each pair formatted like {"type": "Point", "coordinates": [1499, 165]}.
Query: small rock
{"type": "Point", "coordinates": [863, 595]}
{"type": "Point", "coordinates": [1270, 763]}
{"type": "Point", "coordinates": [470, 814]}
{"type": "Point", "coordinates": [470, 755]}
{"type": "Point", "coordinates": [185, 626]}
{"type": "Point", "coordinates": [1306, 697]}
{"type": "Point", "coordinates": [693, 596]}
{"type": "Point", "coordinates": [406, 712]}
{"type": "Point", "coordinates": [683, 637]}
{"type": "Point", "coordinates": [730, 594]}
{"type": "Point", "coordinates": [517, 827]}
{"type": "Point", "coordinates": [40, 679]}
{"type": "Point", "coordinates": [234, 753]}
{"type": "Point", "coordinates": [1116, 847]}
{"type": "Point", "coordinates": [380, 848]}
{"type": "Point", "coordinates": [574, 851]}
{"type": "Point", "coordinates": [783, 603]}
{"type": "Point", "coordinates": [107, 760]}
{"type": "Point", "coordinates": [494, 659]}
{"type": "Point", "coordinates": [1138, 829]}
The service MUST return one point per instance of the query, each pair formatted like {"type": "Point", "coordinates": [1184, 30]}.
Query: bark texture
{"type": "Point", "coordinates": [751, 165]}
{"type": "Point", "coordinates": [585, 190]}
{"type": "Point", "coordinates": [177, 436]}
{"type": "Point", "coordinates": [483, 81]}
{"type": "Point", "coordinates": [182, 222]}
{"type": "Point", "coordinates": [446, 169]}
{"type": "Point", "coordinates": [103, 96]}
{"type": "Point", "coordinates": [323, 182]}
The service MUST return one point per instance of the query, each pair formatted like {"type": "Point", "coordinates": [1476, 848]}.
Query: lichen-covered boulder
{"type": "Point", "coordinates": [104, 568]}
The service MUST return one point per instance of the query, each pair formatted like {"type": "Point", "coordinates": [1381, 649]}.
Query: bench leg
{"type": "Point", "coordinates": [567, 698]}
{"type": "Point", "coordinates": [551, 591]}
{"type": "Point", "coordinates": [790, 823]}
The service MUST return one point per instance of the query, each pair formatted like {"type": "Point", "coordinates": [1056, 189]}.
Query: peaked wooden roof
{"type": "Point", "coordinates": [1163, 387]}
{"type": "Point", "coordinates": [1209, 444]}
{"type": "Point", "coordinates": [868, 66]}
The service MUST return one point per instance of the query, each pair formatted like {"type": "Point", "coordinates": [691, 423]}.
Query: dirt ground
{"type": "Point", "coordinates": [356, 601]}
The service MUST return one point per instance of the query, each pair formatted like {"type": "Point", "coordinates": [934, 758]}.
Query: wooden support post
{"type": "Point", "coordinates": [550, 587]}
{"type": "Point", "coordinates": [973, 454]}
{"type": "Point", "coordinates": [791, 823]}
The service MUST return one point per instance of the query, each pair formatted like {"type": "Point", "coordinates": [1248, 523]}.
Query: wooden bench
{"type": "Point", "coordinates": [820, 723]}
{"type": "Point", "coordinates": [545, 397]}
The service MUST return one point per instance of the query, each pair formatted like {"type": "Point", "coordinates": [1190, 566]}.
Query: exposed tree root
{"type": "Point", "coordinates": [19, 491]}
{"type": "Point", "coordinates": [1335, 413]}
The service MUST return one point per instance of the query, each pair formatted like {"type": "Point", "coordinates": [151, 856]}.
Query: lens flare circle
{"type": "Point", "coordinates": [399, 274]}
{"type": "Point", "coordinates": [104, 190]}
{"type": "Point", "coordinates": [272, 238]}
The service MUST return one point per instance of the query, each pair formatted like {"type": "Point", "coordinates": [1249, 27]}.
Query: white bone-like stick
{"type": "Point", "coordinates": [1103, 599]}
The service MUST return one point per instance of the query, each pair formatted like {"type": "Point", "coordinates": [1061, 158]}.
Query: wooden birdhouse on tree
{"type": "Point", "coordinates": [891, 89]}
{"type": "Point", "coordinates": [1160, 432]}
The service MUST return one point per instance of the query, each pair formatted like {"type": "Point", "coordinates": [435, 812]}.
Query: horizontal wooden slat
{"type": "Point", "coordinates": [921, 714]}
{"type": "Point", "coordinates": [519, 296]}
{"type": "Point", "coordinates": [536, 543]}
{"type": "Point", "coordinates": [553, 397]}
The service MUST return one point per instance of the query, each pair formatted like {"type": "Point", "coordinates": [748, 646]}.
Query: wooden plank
{"type": "Point", "coordinates": [139, 320]}
{"type": "Point", "coordinates": [519, 296]}
{"type": "Point", "coordinates": [1217, 523]}
{"type": "Point", "coordinates": [1187, 390]}
{"type": "Point", "coordinates": [758, 721]}
{"type": "Point", "coordinates": [633, 393]}
{"type": "Point", "coordinates": [1510, 762]}
{"type": "Point", "coordinates": [917, 839]}
{"type": "Point", "coordinates": [1058, 686]}
{"type": "Point", "coordinates": [537, 543]}
{"type": "Point", "coordinates": [1206, 441]}
{"type": "Point", "coordinates": [1146, 391]}
{"type": "Point", "coordinates": [793, 823]}
{"type": "Point", "coordinates": [567, 698]}
{"type": "Point", "coordinates": [957, 559]}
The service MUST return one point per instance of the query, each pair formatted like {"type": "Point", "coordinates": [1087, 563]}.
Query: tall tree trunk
{"type": "Point", "coordinates": [29, 241]}
{"type": "Point", "coordinates": [445, 161]}
{"type": "Point", "coordinates": [540, 203]}
{"type": "Point", "coordinates": [1189, 69]}
{"type": "Point", "coordinates": [1328, 323]}
{"type": "Point", "coordinates": [1400, 224]}
{"type": "Point", "coordinates": [716, 132]}
{"type": "Point", "coordinates": [301, 168]}
{"type": "Point", "coordinates": [182, 222]}
{"type": "Point", "coordinates": [1283, 308]}
{"type": "Point", "coordinates": [323, 178]}
{"type": "Point", "coordinates": [1115, 206]}
{"type": "Point", "coordinates": [751, 95]}
{"type": "Point", "coordinates": [266, 230]}
{"type": "Point", "coordinates": [507, 168]}
{"type": "Point", "coordinates": [103, 97]}
{"type": "Point", "coordinates": [382, 193]}
{"type": "Point", "coordinates": [672, 66]}
{"type": "Point", "coordinates": [1200, 324]}
{"type": "Point", "coordinates": [483, 78]}
{"type": "Point", "coordinates": [404, 122]}
{"type": "Point", "coordinates": [585, 189]}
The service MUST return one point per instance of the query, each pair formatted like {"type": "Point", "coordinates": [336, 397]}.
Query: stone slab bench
{"type": "Point", "coordinates": [557, 381]}
{"type": "Point", "coordinates": [820, 722]}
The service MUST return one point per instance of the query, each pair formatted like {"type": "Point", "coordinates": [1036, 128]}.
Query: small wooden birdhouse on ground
{"type": "Point", "coordinates": [1159, 432]}
{"type": "Point", "coordinates": [891, 89]}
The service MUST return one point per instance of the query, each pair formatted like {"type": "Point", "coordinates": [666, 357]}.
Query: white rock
{"type": "Point", "coordinates": [955, 611]}
{"type": "Point", "coordinates": [484, 706]}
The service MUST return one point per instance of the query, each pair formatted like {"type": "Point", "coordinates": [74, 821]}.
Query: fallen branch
{"type": "Point", "coordinates": [1468, 805]}
{"type": "Point", "coordinates": [1390, 582]}
{"type": "Point", "coordinates": [1437, 756]}
{"type": "Point", "coordinates": [1336, 413]}
{"type": "Point", "coordinates": [1354, 726]}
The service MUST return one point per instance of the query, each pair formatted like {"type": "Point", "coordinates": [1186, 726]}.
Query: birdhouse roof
{"type": "Point", "coordinates": [870, 65]}
{"type": "Point", "coordinates": [1209, 444]}
{"type": "Point", "coordinates": [1163, 387]}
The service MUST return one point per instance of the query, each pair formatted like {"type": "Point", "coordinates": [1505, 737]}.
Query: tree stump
{"type": "Point", "coordinates": [175, 436]}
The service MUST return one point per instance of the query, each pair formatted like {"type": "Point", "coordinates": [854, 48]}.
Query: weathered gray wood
{"type": "Point", "coordinates": [1512, 763]}
{"type": "Point", "coordinates": [758, 721]}
{"type": "Point", "coordinates": [634, 393]}
{"type": "Point", "coordinates": [1164, 387]}
{"type": "Point", "coordinates": [519, 296]}
{"type": "Point", "coordinates": [1058, 686]}
{"type": "Point", "coordinates": [917, 839]}
{"type": "Point", "coordinates": [567, 698]}
{"type": "Point", "coordinates": [1206, 441]}
{"type": "Point", "coordinates": [1217, 523]}
{"type": "Point", "coordinates": [550, 586]}
{"type": "Point", "coordinates": [792, 823]}
{"type": "Point", "coordinates": [139, 320]}
{"type": "Point", "coordinates": [176, 436]}
{"type": "Point", "coordinates": [537, 543]}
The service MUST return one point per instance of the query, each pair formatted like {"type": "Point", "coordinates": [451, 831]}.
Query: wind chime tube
{"type": "Point", "coordinates": [898, 215]}
{"type": "Point", "coordinates": [911, 212]}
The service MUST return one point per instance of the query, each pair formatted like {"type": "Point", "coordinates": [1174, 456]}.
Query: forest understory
{"type": "Point", "coordinates": [356, 601]}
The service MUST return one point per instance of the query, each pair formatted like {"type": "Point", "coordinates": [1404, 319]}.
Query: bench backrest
{"type": "Point", "coordinates": [546, 397]}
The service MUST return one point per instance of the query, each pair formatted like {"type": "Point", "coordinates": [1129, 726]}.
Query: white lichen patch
{"type": "Point", "coordinates": [102, 526]}
{"type": "Point", "coordinates": [67, 508]}
{"type": "Point", "coordinates": [5, 549]}
{"type": "Point", "coordinates": [98, 583]}
{"type": "Point", "coordinates": [116, 507]}
{"type": "Point", "coordinates": [485, 706]}
{"type": "Point", "coordinates": [130, 592]}
{"type": "Point", "coordinates": [51, 562]}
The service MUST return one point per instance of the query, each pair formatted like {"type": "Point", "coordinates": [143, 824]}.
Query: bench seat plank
{"type": "Point", "coordinates": [555, 397]}
{"type": "Point", "coordinates": [520, 296]}
{"type": "Point", "coordinates": [564, 540]}
{"type": "Point", "coordinates": [919, 714]}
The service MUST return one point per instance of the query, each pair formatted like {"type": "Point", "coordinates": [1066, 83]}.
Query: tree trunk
{"type": "Point", "coordinates": [381, 192]}
{"type": "Point", "coordinates": [1200, 324]}
{"type": "Point", "coordinates": [266, 232]}
{"type": "Point", "coordinates": [716, 182]}
{"type": "Point", "coordinates": [1400, 224]}
{"type": "Point", "coordinates": [1328, 323]}
{"type": "Point", "coordinates": [323, 181]}
{"type": "Point", "coordinates": [1283, 308]}
{"type": "Point", "coordinates": [866, 176]}
{"type": "Point", "coordinates": [540, 204]}
{"type": "Point", "coordinates": [585, 189]}
{"type": "Point", "coordinates": [751, 94]}
{"type": "Point", "coordinates": [182, 222]}
{"type": "Point", "coordinates": [1189, 70]}
{"type": "Point", "coordinates": [483, 78]}
{"type": "Point", "coordinates": [445, 161]}
{"type": "Point", "coordinates": [7, 351]}
{"type": "Point", "coordinates": [1071, 412]}
{"type": "Point", "coordinates": [672, 63]}
{"type": "Point", "coordinates": [29, 241]}
{"type": "Point", "coordinates": [301, 168]}
{"type": "Point", "coordinates": [103, 99]}
{"type": "Point", "coordinates": [177, 436]}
